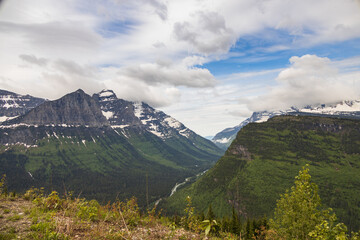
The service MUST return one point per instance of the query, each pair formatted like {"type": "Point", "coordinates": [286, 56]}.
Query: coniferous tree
{"type": "Point", "coordinates": [235, 222]}
{"type": "Point", "coordinates": [248, 229]}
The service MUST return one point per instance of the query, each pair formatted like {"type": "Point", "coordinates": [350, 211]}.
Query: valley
{"type": "Point", "coordinates": [101, 147]}
{"type": "Point", "coordinates": [179, 120]}
{"type": "Point", "coordinates": [109, 149]}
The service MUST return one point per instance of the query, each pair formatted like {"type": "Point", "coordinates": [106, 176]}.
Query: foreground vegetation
{"type": "Point", "coordinates": [35, 215]}
{"type": "Point", "coordinates": [299, 215]}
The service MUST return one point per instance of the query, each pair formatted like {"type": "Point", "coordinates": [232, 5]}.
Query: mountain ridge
{"type": "Point", "coordinates": [13, 105]}
{"type": "Point", "coordinates": [344, 109]}
{"type": "Point", "coordinates": [74, 109]}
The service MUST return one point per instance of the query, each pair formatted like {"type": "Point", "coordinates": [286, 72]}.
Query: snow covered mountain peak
{"type": "Point", "coordinates": [158, 123]}
{"type": "Point", "coordinates": [13, 104]}
{"type": "Point", "coordinates": [349, 109]}
{"type": "Point", "coordinates": [107, 95]}
{"type": "Point", "coordinates": [125, 114]}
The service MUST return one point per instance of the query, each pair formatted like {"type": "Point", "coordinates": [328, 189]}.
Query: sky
{"type": "Point", "coordinates": [207, 63]}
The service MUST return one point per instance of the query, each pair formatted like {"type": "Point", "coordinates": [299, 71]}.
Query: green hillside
{"type": "Point", "coordinates": [261, 162]}
{"type": "Point", "coordinates": [99, 163]}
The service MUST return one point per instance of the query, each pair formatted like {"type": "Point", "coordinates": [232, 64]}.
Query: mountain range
{"type": "Point", "coordinates": [263, 159]}
{"type": "Point", "coordinates": [100, 146]}
{"type": "Point", "coordinates": [344, 109]}
{"type": "Point", "coordinates": [13, 105]}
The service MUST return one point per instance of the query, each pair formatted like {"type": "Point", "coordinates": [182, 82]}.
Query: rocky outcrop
{"type": "Point", "coordinates": [74, 109]}
{"type": "Point", "coordinates": [13, 105]}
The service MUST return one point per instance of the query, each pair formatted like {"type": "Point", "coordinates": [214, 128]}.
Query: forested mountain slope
{"type": "Point", "coordinates": [262, 160]}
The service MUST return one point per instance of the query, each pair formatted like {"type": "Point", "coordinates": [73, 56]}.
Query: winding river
{"type": "Point", "coordinates": [177, 185]}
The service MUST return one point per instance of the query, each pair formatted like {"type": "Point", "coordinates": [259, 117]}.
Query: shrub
{"type": "Point", "coordinates": [3, 188]}
{"type": "Point", "coordinates": [88, 210]}
{"type": "Point", "coordinates": [34, 193]}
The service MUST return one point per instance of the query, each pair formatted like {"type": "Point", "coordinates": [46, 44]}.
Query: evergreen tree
{"type": "Point", "coordinates": [235, 222]}
{"type": "Point", "coordinates": [249, 229]}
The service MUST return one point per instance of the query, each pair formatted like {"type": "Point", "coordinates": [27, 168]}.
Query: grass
{"type": "Point", "coordinates": [14, 218]}
{"type": "Point", "coordinates": [36, 215]}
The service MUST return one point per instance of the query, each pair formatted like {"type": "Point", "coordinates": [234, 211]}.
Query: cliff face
{"type": "Point", "coordinates": [13, 105]}
{"type": "Point", "coordinates": [74, 109]}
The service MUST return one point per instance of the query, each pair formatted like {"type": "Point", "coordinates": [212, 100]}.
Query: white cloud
{"type": "Point", "coordinates": [151, 50]}
{"type": "Point", "coordinates": [309, 80]}
{"type": "Point", "coordinates": [167, 73]}
{"type": "Point", "coordinates": [206, 32]}
{"type": "Point", "coordinates": [159, 95]}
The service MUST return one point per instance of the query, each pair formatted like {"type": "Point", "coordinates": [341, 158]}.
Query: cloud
{"type": "Point", "coordinates": [160, 8]}
{"type": "Point", "coordinates": [34, 60]}
{"type": "Point", "coordinates": [138, 91]}
{"type": "Point", "coordinates": [54, 78]}
{"type": "Point", "coordinates": [63, 36]}
{"type": "Point", "coordinates": [73, 68]}
{"type": "Point", "coordinates": [168, 73]}
{"type": "Point", "coordinates": [157, 50]}
{"type": "Point", "coordinates": [115, 8]}
{"type": "Point", "coordinates": [243, 113]}
{"type": "Point", "coordinates": [309, 80]}
{"type": "Point", "coordinates": [66, 83]}
{"type": "Point", "coordinates": [206, 32]}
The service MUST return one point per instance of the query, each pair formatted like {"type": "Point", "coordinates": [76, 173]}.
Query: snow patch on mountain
{"type": "Point", "coordinates": [185, 132]}
{"type": "Point", "coordinates": [263, 119]}
{"type": "Point", "coordinates": [223, 140]}
{"type": "Point", "coordinates": [106, 93]}
{"type": "Point", "coordinates": [107, 96]}
{"type": "Point", "coordinates": [345, 106]}
{"type": "Point", "coordinates": [6, 118]}
{"type": "Point", "coordinates": [172, 122]}
{"type": "Point", "coordinates": [158, 123]}
{"type": "Point", "coordinates": [108, 115]}
{"type": "Point", "coordinates": [138, 109]}
{"type": "Point", "coordinates": [21, 144]}
{"type": "Point", "coordinates": [12, 104]}
{"type": "Point", "coordinates": [120, 126]}
{"type": "Point", "coordinates": [154, 129]}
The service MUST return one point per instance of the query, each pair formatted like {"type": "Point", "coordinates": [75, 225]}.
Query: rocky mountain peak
{"type": "Point", "coordinates": [105, 95]}
{"type": "Point", "coordinates": [343, 109]}
{"type": "Point", "coordinates": [74, 109]}
{"type": "Point", "coordinates": [13, 105]}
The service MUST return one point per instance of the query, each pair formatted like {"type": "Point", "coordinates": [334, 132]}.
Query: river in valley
{"type": "Point", "coordinates": [177, 185]}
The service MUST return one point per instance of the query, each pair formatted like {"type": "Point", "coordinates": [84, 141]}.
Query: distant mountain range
{"type": "Point", "coordinates": [99, 145]}
{"type": "Point", "coordinates": [13, 105]}
{"type": "Point", "coordinates": [345, 109]}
